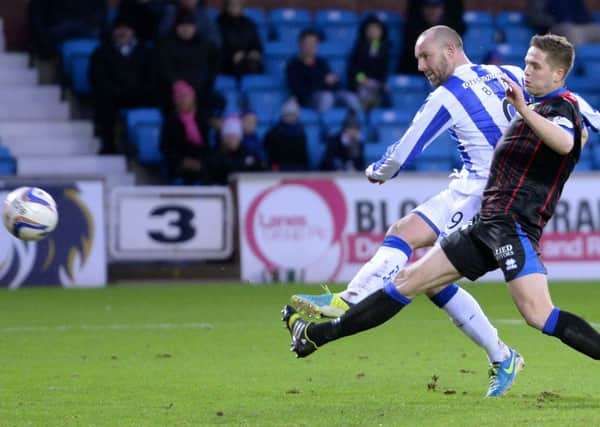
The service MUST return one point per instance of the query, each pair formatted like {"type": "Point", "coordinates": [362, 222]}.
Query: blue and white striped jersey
{"type": "Point", "coordinates": [471, 105]}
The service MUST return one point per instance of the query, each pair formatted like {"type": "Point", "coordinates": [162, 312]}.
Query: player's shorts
{"type": "Point", "coordinates": [449, 210]}
{"type": "Point", "coordinates": [487, 245]}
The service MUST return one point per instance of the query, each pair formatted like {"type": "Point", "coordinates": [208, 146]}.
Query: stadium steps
{"type": "Point", "coordinates": [113, 169]}
{"type": "Point", "coordinates": [48, 138]}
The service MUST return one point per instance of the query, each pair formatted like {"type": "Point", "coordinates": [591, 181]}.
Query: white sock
{"type": "Point", "coordinates": [466, 313]}
{"type": "Point", "coordinates": [389, 259]}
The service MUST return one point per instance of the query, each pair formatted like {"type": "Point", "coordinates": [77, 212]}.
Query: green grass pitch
{"type": "Point", "coordinates": [219, 355]}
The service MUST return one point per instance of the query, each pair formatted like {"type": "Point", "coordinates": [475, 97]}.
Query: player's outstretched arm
{"type": "Point", "coordinates": [550, 133]}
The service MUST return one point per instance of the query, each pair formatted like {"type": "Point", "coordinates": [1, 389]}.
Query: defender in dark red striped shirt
{"type": "Point", "coordinates": [529, 169]}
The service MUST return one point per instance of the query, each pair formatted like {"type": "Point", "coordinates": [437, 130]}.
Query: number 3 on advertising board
{"type": "Point", "coordinates": [179, 226]}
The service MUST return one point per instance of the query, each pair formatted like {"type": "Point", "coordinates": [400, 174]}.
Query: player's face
{"type": "Point", "coordinates": [540, 77]}
{"type": "Point", "coordinates": [433, 61]}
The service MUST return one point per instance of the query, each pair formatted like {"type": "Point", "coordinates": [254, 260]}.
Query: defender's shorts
{"type": "Point", "coordinates": [486, 245]}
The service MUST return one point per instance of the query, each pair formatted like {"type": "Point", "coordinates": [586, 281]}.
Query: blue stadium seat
{"type": "Point", "coordinates": [337, 25]}
{"type": "Point", "coordinates": [277, 55]}
{"type": "Point", "coordinates": [287, 23]}
{"type": "Point", "coordinates": [228, 87]}
{"type": "Point", "coordinates": [225, 82]}
{"type": "Point", "coordinates": [440, 155]}
{"type": "Point", "coordinates": [408, 92]}
{"type": "Point", "coordinates": [477, 18]}
{"type": "Point", "coordinates": [510, 17]}
{"type": "Point", "coordinates": [389, 125]}
{"type": "Point", "coordinates": [7, 162]}
{"type": "Point", "coordinates": [252, 82]}
{"type": "Point", "coordinates": [80, 80]}
{"type": "Point", "coordinates": [517, 34]}
{"type": "Point", "coordinates": [290, 16]}
{"type": "Point", "coordinates": [309, 116]}
{"type": "Point", "coordinates": [136, 116]}
{"type": "Point", "coordinates": [373, 151]}
{"type": "Point", "coordinates": [266, 103]}
{"type": "Point", "coordinates": [478, 41]}
{"type": "Point", "coordinates": [513, 55]}
{"type": "Point", "coordinates": [333, 119]}
{"type": "Point", "coordinates": [314, 145]}
{"type": "Point", "coordinates": [76, 48]}
{"type": "Point", "coordinates": [147, 137]}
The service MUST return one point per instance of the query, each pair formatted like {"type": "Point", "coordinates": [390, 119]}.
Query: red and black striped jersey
{"type": "Point", "coordinates": [527, 177]}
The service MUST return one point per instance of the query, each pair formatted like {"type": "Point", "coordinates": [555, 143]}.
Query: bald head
{"type": "Point", "coordinates": [442, 36]}
{"type": "Point", "coordinates": [439, 50]}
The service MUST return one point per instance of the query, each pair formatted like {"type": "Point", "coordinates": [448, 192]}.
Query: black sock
{"type": "Point", "coordinates": [577, 333]}
{"type": "Point", "coordinates": [370, 312]}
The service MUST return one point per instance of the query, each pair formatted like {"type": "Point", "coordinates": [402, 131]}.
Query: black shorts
{"type": "Point", "coordinates": [487, 245]}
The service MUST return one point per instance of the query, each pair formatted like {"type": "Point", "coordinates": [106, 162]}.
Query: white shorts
{"type": "Point", "coordinates": [449, 210]}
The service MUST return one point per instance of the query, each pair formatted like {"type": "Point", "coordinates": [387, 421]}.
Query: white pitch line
{"type": "Point", "coordinates": [114, 326]}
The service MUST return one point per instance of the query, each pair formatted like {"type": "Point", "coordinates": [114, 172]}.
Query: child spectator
{"type": "Point", "coordinates": [345, 151]}
{"type": "Point", "coordinates": [285, 142]}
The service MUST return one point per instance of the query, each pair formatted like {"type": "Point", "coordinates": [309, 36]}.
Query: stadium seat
{"type": "Point", "coordinates": [287, 23]}
{"type": "Point", "coordinates": [266, 103]}
{"type": "Point", "coordinates": [76, 48]}
{"type": "Point", "coordinates": [314, 145]}
{"type": "Point", "coordinates": [338, 25]}
{"type": "Point", "coordinates": [252, 82]}
{"type": "Point", "coordinates": [477, 18]}
{"type": "Point", "coordinates": [228, 87]}
{"type": "Point", "coordinates": [333, 119]}
{"type": "Point", "coordinates": [512, 54]}
{"type": "Point", "coordinates": [478, 41]}
{"type": "Point", "coordinates": [373, 151]}
{"type": "Point", "coordinates": [80, 80]}
{"type": "Point", "coordinates": [389, 125]}
{"type": "Point", "coordinates": [408, 92]}
{"type": "Point", "coordinates": [510, 17]}
{"type": "Point", "coordinates": [7, 162]}
{"type": "Point", "coordinates": [277, 55]}
{"type": "Point", "coordinates": [309, 116]}
{"type": "Point", "coordinates": [136, 116]}
{"type": "Point", "coordinates": [147, 137]}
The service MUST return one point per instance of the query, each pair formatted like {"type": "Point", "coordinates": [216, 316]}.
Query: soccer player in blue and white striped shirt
{"type": "Point", "coordinates": [469, 102]}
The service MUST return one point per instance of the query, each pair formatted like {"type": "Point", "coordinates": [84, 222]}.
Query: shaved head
{"type": "Point", "coordinates": [443, 36]}
{"type": "Point", "coordinates": [439, 50]}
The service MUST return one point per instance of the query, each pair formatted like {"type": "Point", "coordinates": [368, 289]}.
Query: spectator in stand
{"type": "Point", "coordinates": [345, 151]}
{"type": "Point", "coordinates": [285, 142]}
{"type": "Point", "coordinates": [184, 136]}
{"type": "Point", "coordinates": [311, 80]}
{"type": "Point", "coordinates": [54, 21]}
{"type": "Point", "coordinates": [144, 16]}
{"type": "Point", "coordinates": [422, 14]}
{"type": "Point", "coordinates": [251, 139]}
{"type": "Point", "coordinates": [187, 55]}
{"type": "Point", "coordinates": [369, 63]}
{"type": "Point", "coordinates": [570, 19]}
{"type": "Point", "coordinates": [123, 74]}
{"type": "Point", "coordinates": [242, 49]}
{"type": "Point", "coordinates": [232, 156]}
{"type": "Point", "coordinates": [205, 26]}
